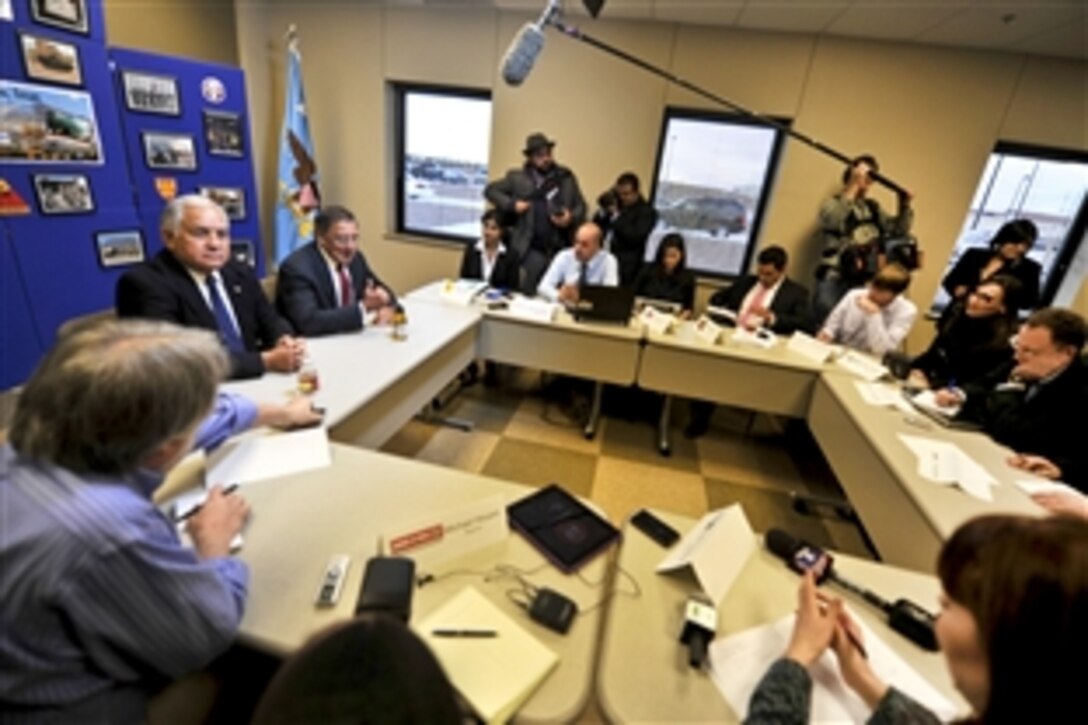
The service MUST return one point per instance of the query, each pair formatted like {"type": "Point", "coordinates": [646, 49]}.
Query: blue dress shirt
{"type": "Point", "coordinates": [101, 601]}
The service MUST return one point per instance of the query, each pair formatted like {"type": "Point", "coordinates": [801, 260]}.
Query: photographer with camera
{"type": "Point", "coordinates": [859, 237]}
{"type": "Point", "coordinates": [627, 220]}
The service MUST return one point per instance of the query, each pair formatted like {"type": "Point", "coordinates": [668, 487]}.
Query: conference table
{"type": "Point", "coordinates": [299, 521]}
{"type": "Point", "coordinates": [600, 352]}
{"type": "Point", "coordinates": [644, 674]}
{"type": "Point", "coordinates": [371, 384]}
{"type": "Point", "coordinates": [906, 516]}
{"type": "Point", "coordinates": [775, 380]}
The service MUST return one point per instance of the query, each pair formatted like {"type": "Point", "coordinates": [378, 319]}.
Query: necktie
{"type": "Point", "coordinates": [347, 292]}
{"type": "Point", "coordinates": [228, 333]}
{"type": "Point", "coordinates": [583, 275]}
{"type": "Point", "coordinates": [757, 301]}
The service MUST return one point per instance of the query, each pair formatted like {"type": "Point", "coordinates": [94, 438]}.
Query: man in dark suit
{"type": "Point", "coordinates": [768, 298]}
{"type": "Point", "coordinates": [627, 220]}
{"type": "Point", "coordinates": [1036, 404]}
{"type": "Point", "coordinates": [326, 286]}
{"type": "Point", "coordinates": [765, 299]}
{"type": "Point", "coordinates": [194, 283]}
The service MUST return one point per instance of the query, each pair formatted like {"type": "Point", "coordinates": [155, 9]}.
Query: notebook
{"type": "Point", "coordinates": [496, 675]}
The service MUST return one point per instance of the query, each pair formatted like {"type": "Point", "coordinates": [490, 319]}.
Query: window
{"type": "Point", "coordinates": [713, 173]}
{"type": "Point", "coordinates": [443, 136]}
{"type": "Point", "coordinates": [1048, 187]}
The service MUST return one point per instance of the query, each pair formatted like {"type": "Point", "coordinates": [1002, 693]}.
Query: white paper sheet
{"type": "Point", "coordinates": [268, 455]}
{"type": "Point", "coordinates": [760, 338]}
{"type": "Point", "coordinates": [1035, 486]}
{"type": "Point", "coordinates": [945, 463]}
{"type": "Point", "coordinates": [808, 346]}
{"type": "Point", "coordinates": [532, 309]}
{"type": "Point", "coordinates": [861, 365]}
{"type": "Point", "coordinates": [927, 400]}
{"type": "Point", "coordinates": [878, 393]}
{"type": "Point", "coordinates": [739, 661]}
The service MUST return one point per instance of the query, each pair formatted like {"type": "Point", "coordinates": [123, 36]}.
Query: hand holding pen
{"type": "Point", "coordinates": [213, 524]}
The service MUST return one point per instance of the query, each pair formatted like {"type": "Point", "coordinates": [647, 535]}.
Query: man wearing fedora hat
{"type": "Point", "coordinates": [542, 202]}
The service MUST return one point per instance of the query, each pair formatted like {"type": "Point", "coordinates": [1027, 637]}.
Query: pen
{"type": "Point", "coordinates": [470, 633]}
{"type": "Point", "coordinates": [196, 509]}
{"type": "Point", "coordinates": [854, 640]}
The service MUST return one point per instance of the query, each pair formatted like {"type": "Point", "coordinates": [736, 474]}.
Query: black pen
{"type": "Point", "coordinates": [470, 633]}
{"type": "Point", "coordinates": [196, 509]}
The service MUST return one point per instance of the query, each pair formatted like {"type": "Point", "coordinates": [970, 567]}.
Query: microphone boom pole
{"type": "Point", "coordinates": [573, 32]}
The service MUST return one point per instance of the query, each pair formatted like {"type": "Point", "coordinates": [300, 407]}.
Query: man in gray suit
{"type": "Point", "coordinates": [544, 205]}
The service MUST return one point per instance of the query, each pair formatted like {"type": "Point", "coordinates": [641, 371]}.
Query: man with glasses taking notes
{"type": "Point", "coordinates": [326, 286]}
{"type": "Point", "coordinates": [1036, 403]}
{"type": "Point", "coordinates": [194, 283]}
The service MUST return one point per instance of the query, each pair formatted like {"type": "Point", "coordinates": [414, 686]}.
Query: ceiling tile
{"type": "Point", "coordinates": [791, 16]}
{"type": "Point", "coordinates": [891, 19]}
{"type": "Point", "coordinates": [698, 12]}
{"type": "Point", "coordinates": [1001, 25]}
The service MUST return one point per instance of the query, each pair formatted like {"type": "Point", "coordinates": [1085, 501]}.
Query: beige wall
{"type": "Point", "coordinates": [930, 114]}
{"type": "Point", "coordinates": [202, 30]}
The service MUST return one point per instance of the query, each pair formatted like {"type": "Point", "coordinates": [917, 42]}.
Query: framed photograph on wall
{"type": "Point", "coordinates": [223, 133]}
{"type": "Point", "coordinates": [68, 14]}
{"type": "Point", "coordinates": [175, 151]}
{"type": "Point", "coordinates": [241, 251]}
{"type": "Point", "coordinates": [150, 93]}
{"type": "Point", "coordinates": [62, 122]}
{"type": "Point", "coordinates": [231, 198]}
{"type": "Point", "coordinates": [63, 194]}
{"type": "Point", "coordinates": [50, 60]}
{"type": "Point", "coordinates": [118, 249]}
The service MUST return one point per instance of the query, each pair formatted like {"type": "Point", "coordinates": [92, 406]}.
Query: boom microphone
{"type": "Point", "coordinates": [526, 46]}
{"type": "Point", "coordinates": [904, 616]}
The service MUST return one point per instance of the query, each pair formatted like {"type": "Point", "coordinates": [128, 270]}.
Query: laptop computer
{"type": "Point", "coordinates": [598, 303]}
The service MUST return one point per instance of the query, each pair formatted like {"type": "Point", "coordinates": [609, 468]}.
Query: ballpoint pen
{"type": "Point", "coordinates": [196, 509]}
{"type": "Point", "coordinates": [467, 633]}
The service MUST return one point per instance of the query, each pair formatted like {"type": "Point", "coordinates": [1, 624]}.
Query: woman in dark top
{"type": "Point", "coordinates": [489, 259]}
{"type": "Point", "coordinates": [1007, 254]}
{"type": "Point", "coordinates": [1012, 628]}
{"type": "Point", "coordinates": [972, 338]}
{"type": "Point", "coordinates": [668, 278]}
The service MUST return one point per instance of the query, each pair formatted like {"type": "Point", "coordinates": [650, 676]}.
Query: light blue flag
{"type": "Point", "coordinates": [297, 196]}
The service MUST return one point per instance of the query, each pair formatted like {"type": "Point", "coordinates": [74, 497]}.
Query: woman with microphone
{"type": "Point", "coordinates": [1012, 626]}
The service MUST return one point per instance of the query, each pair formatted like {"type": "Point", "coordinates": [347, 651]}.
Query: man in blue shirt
{"type": "Point", "coordinates": [102, 603]}
{"type": "Point", "coordinates": [584, 263]}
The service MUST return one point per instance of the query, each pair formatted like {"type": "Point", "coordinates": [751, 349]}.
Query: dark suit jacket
{"type": "Point", "coordinates": [630, 230]}
{"type": "Point", "coordinates": [162, 289]}
{"type": "Point", "coordinates": [504, 275]}
{"type": "Point", "coordinates": [969, 267]}
{"type": "Point", "coordinates": [791, 307]}
{"type": "Point", "coordinates": [305, 294]}
{"type": "Point", "coordinates": [1051, 424]}
{"type": "Point", "coordinates": [653, 283]}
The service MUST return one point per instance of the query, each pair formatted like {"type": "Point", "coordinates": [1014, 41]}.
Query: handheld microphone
{"type": "Point", "coordinates": [700, 624]}
{"type": "Point", "coordinates": [904, 616]}
{"type": "Point", "coordinates": [526, 46]}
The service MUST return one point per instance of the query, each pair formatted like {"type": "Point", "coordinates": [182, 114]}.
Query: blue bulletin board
{"type": "Point", "coordinates": [79, 200]}
{"type": "Point", "coordinates": [186, 130]}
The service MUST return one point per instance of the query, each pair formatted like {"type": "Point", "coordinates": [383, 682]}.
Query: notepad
{"type": "Point", "coordinates": [260, 456]}
{"type": "Point", "coordinates": [496, 675]}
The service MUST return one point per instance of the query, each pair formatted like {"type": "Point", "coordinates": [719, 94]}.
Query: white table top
{"type": "Point", "coordinates": [944, 507]}
{"type": "Point", "coordinates": [779, 355]}
{"type": "Point", "coordinates": [298, 522]}
{"type": "Point", "coordinates": [353, 368]}
{"type": "Point", "coordinates": [563, 321]}
{"type": "Point", "coordinates": [644, 675]}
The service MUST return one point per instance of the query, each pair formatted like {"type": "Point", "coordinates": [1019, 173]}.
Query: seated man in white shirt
{"type": "Point", "coordinates": [874, 318]}
{"type": "Point", "coordinates": [582, 264]}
